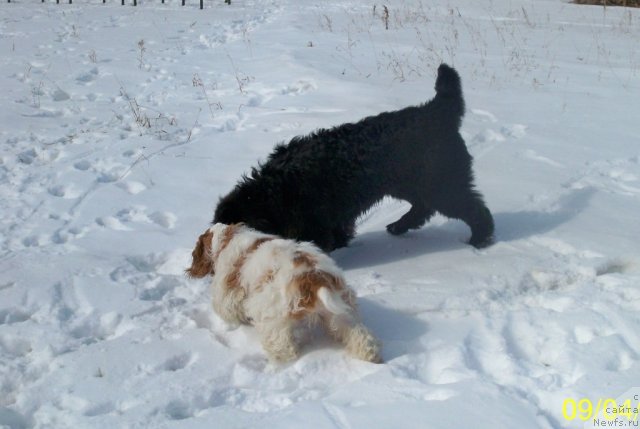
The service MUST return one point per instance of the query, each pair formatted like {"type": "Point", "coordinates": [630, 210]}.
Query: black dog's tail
{"type": "Point", "coordinates": [449, 90]}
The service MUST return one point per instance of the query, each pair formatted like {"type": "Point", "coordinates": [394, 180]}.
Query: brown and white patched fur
{"type": "Point", "coordinates": [277, 285]}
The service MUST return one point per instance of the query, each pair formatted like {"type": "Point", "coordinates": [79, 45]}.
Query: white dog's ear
{"type": "Point", "coordinates": [202, 263]}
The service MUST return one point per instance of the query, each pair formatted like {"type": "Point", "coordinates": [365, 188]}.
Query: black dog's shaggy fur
{"type": "Point", "coordinates": [315, 187]}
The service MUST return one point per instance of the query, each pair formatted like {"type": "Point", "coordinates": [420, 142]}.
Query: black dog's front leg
{"type": "Point", "coordinates": [413, 219]}
{"type": "Point", "coordinates": [342, 234]}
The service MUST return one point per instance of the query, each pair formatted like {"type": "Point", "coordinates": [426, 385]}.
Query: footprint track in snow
{"type": "Point", "coordinates": [158, 289]}
{"type": "Point", "coordinates": [151, 266]}
{"type": "Point", "coordinates": [510, 132]}
{"type": "Point", "coordinates": [491, 136]}
{"type": "Point", "coordinates": [132, 187]}
{"type": "Point", "coordinates": [88, 77]}
{"type": "Point", "coordinates": [179, 410]}
{"type": "Point", "coordinates": [484, 115]}
{"type": "Point", "coordinates": [177, 362]}
{"type": "Point", "coordinates": [100, 409]}
{"type": "Point", "coordinates": [618, 176]}
{"type": "Point", "coordinates": [14, 346]}
{"type": "Point", "coordinates": [125, 219]}
{"type": "Point", "coordinates": [11, 315]}
{"type": "Point", "coordinates": [64, 191]}
{"type": "Point", "coordinates": [182, 409]}
{"type": "Point", "coordinates": [103, 170]}
{"type": "Point", "coordinates": [67, 191]}
{"type": "Point", "coordinates": [98, 327]}
{"type": "Point", "coordinates": [65, 235]}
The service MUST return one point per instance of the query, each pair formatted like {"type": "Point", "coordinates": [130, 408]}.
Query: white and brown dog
{"type": "Point", "coordinates": [276, 285]}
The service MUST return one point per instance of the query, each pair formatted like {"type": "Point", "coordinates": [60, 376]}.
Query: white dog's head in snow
{"type": "Point", "coordinates": [275, 284]}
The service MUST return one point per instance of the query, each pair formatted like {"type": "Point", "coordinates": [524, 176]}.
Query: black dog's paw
{"type": "Point", "coordinates": [481, 243]}
{"type": "Point", "coordinates": [396, 228]}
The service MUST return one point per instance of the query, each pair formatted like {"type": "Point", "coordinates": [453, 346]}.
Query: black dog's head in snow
{"type": "Point", "coordinates": [315, 187]}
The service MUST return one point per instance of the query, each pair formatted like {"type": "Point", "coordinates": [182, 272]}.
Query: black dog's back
{"type": "Point", "coordinates": [315, 187]}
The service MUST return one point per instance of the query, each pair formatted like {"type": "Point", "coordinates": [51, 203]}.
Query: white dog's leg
{"type": "Point", "coordinates": [360, 343]}
{"type": "Point", "coordinates": [278, 339]}
{"type": "Point", "coordinates": [229, 306]}
{"type": "Point", "coordinates": [358, 340]}
{"type": "Point", "coordinates": [342, 322]}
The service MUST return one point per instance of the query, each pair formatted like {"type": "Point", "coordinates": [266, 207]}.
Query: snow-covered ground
{"type": "Point", "coordinates": [120, 127]}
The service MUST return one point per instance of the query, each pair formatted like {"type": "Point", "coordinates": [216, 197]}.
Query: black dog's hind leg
{"type": "Point", "coordinates": [413, 219]}
{"type": "Point", "coordinates": [468, 206]}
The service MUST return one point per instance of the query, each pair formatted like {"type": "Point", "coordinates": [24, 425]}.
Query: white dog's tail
{"type": "Point", "coordinates": [332, 301]}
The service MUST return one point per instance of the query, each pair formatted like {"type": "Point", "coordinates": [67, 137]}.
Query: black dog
{"type": "Point", "coordinates": [315, 187]}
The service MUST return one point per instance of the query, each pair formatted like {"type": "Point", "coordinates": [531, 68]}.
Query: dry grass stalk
{"type": "Point", "coordinates": [625, 3]}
